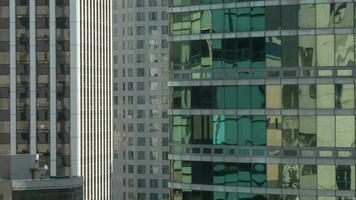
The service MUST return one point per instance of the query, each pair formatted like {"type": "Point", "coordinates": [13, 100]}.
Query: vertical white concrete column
{"type": "Point", "coordinates": [12, 20]}
{"type": "Point", "coordinates": [75, 95]}
{"type": "Point", "coordinates": [33, 76]}
{"type": "Point", "coordinates": [53, 93]}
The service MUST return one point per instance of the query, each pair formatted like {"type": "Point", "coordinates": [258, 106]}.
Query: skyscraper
{"type": "Point", "coordinates": [141, 166]}
{"type": "Point", "coordinates": [55, 98]}
{"type": "Point", "coordinates": [262, 99]}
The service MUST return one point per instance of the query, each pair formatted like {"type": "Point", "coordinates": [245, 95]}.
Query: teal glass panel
{"type": "Point", "coordinates": [229, 48]}
{"type": "Point", "coordinates": [273, 51]}
{"type": "Point", "coordinates": [230, 130]}
{"type": "Point", "coordinates": [218, 129]}
{"type": "Point", "coordinates": [218, 195]}
{"type": "Point", "coordinates": [243, 19]}
{"type": "Point", "coordinates": [258, 18]}
{"type": "Point", "coordinates": [258, 52]}
{"type": "Point", "coordinates": [244, 130]}
{"type": "Point", "coordinates": [245, 196]}
{"type": "Point", "coordinates": [231, 196]}
{"type": "Point", "coordinates": [230, 97]}
{"type": "Point", "coordinates": [244, 175]}
{"type": "Point", "coordinates": [259, 178]}
{"type": "Point", "coordinates": [258, 96]}
{"type": "Point", "coordinates": [258, 130]}
{"type": "Point", "coordinates": [220, 97]}
{"type": "Point", "coordinates": [231, 174]}
{"type": "Point", "coordinates": [217, 53]}
{"type": "Point", "coordinates": [205, 1]}
{"type": "Point", "coordinates": [244, 97]}
{"type": "Point", "coordinates": [218, 20]}
{"type": "Point", "coordinates": [219, 171]}
{"type": "Point", "coordinates": [243, 52]}
{"type": "Point", "coordinates": [230, 19]}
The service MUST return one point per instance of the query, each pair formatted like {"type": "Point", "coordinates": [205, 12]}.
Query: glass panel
{"type": "Point", "coordinates": [244, 130]}
{"type": "Point", "coordinates": [230, 19]}
{"type": "Point", "coordinates": [273, 96]}
{"type": "Point", "coordinates": [273, 17]}
{"type": "Point", "coordinates": [218, 23]}
{"type": "Point", "coordinates": [307, 51]}
{"type": "Point", "coordinates": [258, 133]}
{"type": "Point", "coordinates": [345, 131]}
{"type": "Point", "coordinates": [308, 176]}
{"type": "Point", "coordinates": [344, 96]}
{"type": "Point", "coordinates": [345, 177]}
{"type": "Point", "coordinates": [306, 16]}
{"type": "Point", "coordinates": [290, 96]}
{"type": "Point", "coordinates": [325, 15]}
{"type": "Point", "coordinates": [258, 18]}
{"type": "Point", "coordinates": [258, 96]}
{"type": "Point", "coordinates": [244, 97]}
{"type": "Point", "coordinates": [244, 174]}
{"type": "Point", "coordinates": [218, 129]}
{"type": "Point", "coordinates": [289, 17]}
{"type": "Point", "coordinates": [326, 131]}
{"type": "Point", "coordinates": [290, 176]}
{"type": "Point", "coordinates": [259, 178]}
{"type": "Point", "coordinates": [195, 18]}
{"type": "Point", "coordinates": [231, 97]}
{"type": "Point", "coordinates": [231, 174]}
{"type": "Point", "coordinates": [325, 50]}
{"type": "Point", "coordinates": [273, 51]}
{"type": "Point", "coordinates": [290, 130]}
{"type": "Point", "coordinates": [344, 15]}
{"type": "Point", "coordinates": [326, 177]}
{"type": "Point", "coordinates": [289, 51]}
{"type": "Point", "coordinates": [274, 177]}
{"type": "Point", "coordinates": [274, 131]}
{"type": "Point", "coordinates": [206, 21]}
{"type": "Point", "coordinates": [325, 96]}
{"type": "Point", "coordinates": [307, 96]}
{"type": "Point", "coordinates": [243, 19]}
{"type": "Point", "coordinates": [344, 50]}
{"type": "Point", "coordinates": [231, 130]}
{"type": "Point", "coordinates": [307, 131]}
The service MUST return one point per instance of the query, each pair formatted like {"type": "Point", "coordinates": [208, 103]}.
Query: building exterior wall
{"type": "Point", "coordinates": [262, 100]}
{"type": "Point", "coordinates": [140, 30]}
{"type": "Point", "coordinates": [55, 88]}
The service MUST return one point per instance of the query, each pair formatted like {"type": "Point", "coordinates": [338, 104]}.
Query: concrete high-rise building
{"type": "Point", "coordinates": [262, 99]}
{"type": "Point", "coordinates": [140, 52]}
{"type": "Point", "coordinates": [55, 99]}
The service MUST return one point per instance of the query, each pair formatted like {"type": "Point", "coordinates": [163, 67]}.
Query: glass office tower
{"type": "Point", "coordinates": [55, 99]}
{"type": "Point", "coordinates": [140, 100]}
{"type": "Point", "coordinates": [262, 99]}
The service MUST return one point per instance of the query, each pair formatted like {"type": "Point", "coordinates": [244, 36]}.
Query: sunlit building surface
{"type": "Point", "coordinates": [262, 100]}
{"type": "Point", "coordinates": [140, 52]}
{"type": "Point", "coordinates": [55, 99]}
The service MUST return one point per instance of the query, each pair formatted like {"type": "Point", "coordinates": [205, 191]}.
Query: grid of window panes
{"type": "Point", "coordinates": [43, 81]}
{"type": "Point", "coordinates": [269, 18]}
{"type": "Point", "coordinates": [140, 98]}
{"type": "Point", "coordinates": [272, 116]}
{"type": "Point", "coordinates": [206, 195]}
{"type": "Point", "coordinates": [23, 77]}
{"type": "Point", "coordinates": [259, 175]}
{"type": "Point", "coordinates": [4, 78]}
{"type": "Point", "coordinates": [262, 57]}
{"type": "Point", "coordinates": [63, 87]}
